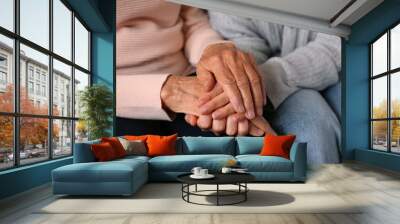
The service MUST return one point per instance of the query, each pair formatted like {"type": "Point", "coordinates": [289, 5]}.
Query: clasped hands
{"type": "Point", "coordinates": [226, 97]}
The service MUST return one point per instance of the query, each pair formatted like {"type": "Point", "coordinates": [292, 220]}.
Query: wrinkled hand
{"type": "Point", "coordinates": [231, 125]}
{"type": "Point", "coordinates": [180, 94]}
{"type": "Point", "coordinates": [235, 71]}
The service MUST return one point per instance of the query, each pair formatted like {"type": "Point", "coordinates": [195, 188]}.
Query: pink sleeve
{"type": "Point", "coordinates": [138, 97]}
{"type": "Point", "coordinates": [198, 33]}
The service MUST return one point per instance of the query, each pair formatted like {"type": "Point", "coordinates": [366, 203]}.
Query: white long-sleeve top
{"type": "Point", "coordinates": [288, 58]}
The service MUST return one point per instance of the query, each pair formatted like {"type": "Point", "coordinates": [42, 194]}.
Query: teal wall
{"type": "Point", "coordinates": [24, 178]}
{"type": "Point", "coordinates": [103, 52]}
{"type": "Point", "coordinates": [356, 85]}
{"type": "Point", "coordinates": [99, 16]}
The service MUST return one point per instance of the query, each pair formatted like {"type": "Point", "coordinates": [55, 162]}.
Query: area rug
{"type": "Point", "coordinates": [166, 198]}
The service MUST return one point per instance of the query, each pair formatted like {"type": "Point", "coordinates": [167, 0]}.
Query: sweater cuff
{"type": "Point", "coordinates": [138, 97]}
{"type": "Point", "coordinates": [275, 81]}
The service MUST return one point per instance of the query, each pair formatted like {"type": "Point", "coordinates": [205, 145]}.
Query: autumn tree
{"type": "Point", "coordinates": [33, 131]}
{"type": "Point", "coordinates": [380, 127]}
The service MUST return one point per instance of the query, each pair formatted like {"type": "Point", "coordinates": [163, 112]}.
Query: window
{"type": "Point", "coordinates": [37, 89]}
{"type": "Point", "coordinates": [34, 22]}
{"type": "Point", "coordinates": [62, 74]}
{"type": "Point", "coordinates": [44, 91]}
{"type": "Point", "coordinates": [30, 87]}
{"type": "Point", "coordinates": [3, 77]}
{"type": "Point", "coordinates": [7, 14]}
{"type": "Point", "coordinates": [3, 72]}
{"type": "Point", "coordinates": [81, 45]}
{"type": "Point", "coordinates": [3, 61]}
{"type": "Point", "coordinates": [38, 74]}
{"type": "Point", "coordinates": [62, 30]}
{"type": "Point", "coordinates": [6, 89]}
{"type": "Point", "coordinates": [30, 72]}
{"type": "Point", "coordinates": [46, 74]}
{"type": "Point", "coordinates": [385, 91]}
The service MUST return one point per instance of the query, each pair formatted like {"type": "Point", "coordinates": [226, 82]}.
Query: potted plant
{"type": "Point", "coordinates": [96, 103]}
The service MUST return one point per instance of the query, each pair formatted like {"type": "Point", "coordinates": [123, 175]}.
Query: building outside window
{"type": "Point", "coordinates": [57, 128]}
{"type": "Point", "coordinates": [44, 77]}
{"type": "Point", "coordinates": [37, 74]}
{"type": "Point", "coordinates": [43, 90]}
{"type": "Point", "coordinates": [3, 72]}
{"type": "Point", "coordinates": [385, 91]}
{"type": "Point", "coordinates": [3, 78]}
{"type": "Point", "coordinates": [30, 87]}
{"type": "Point", "coordinates": [30, 72]}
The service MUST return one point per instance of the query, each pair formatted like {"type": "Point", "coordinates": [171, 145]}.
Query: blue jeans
{"type": "Point", "coordinates": [314, 118]}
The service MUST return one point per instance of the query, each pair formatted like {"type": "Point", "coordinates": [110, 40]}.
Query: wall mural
{"type": "Point", "coordinates": [188, 71]}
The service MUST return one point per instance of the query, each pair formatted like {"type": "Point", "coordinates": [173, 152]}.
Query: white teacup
{"type": "Point", "coordinates": [196, 171]}
{"type": "Point", "coordinates": [203, 172]}
{"type": "Point", "coordinates": [226, 170]}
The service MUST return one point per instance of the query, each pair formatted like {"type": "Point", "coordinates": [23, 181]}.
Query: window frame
{"type": "Point", "coordinates": [388, 74]}
{"type": "Point", "coordinates": [16, 115]}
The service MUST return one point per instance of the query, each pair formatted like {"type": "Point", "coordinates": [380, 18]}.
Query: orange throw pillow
{"type": "Point", "coordinates": [116, 145]}
{"type": "Point", "coordinates": [161, 145]}
{"type": "Point", "coordinates": [136, 137]}
{"type": "Point", "coordinates": [277, 145]}
{"type": "Point", "coordinates": [103, 151]}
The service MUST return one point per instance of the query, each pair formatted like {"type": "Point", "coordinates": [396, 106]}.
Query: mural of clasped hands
{"type": "Point", "coordinates": [233, 95]}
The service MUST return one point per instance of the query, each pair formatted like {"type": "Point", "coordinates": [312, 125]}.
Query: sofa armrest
{"type": "Point", "coordinates": [298, 155]}
{"type": "Point", "coordinates": [83, 152]}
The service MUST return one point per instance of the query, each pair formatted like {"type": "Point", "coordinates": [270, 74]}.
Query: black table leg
{"type": "Point", "coordinates": [195, 188]}
{"type": "Point", "coordinates": [245, 193]}
{"type": "Point", "coordinates": [217, 194]}
{"type": "Point", "coordinates": [188, 190]}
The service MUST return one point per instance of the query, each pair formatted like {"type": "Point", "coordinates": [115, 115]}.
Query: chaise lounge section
{"type": "Point", "coordinates": [125, 176]}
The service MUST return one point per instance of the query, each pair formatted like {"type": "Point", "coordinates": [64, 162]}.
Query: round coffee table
{"type": "Point", "coordinates": [238, 179]}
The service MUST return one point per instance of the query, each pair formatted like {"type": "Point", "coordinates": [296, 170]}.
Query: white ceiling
{"type": "Point", "coordinates": [326, 16]}
{"type": "Point", "coordinates": [321, 9]}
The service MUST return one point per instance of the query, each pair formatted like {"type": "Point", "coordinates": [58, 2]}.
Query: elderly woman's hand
{"type": "Point", "coordinates": [236, 72]}
{"type": "Point", "coordinates": [180, 94]}
{"type": "Point", "coordinates": [232, 125]}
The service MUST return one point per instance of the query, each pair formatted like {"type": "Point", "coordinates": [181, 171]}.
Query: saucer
{"type": "Point", "coordinates": [208, 176]}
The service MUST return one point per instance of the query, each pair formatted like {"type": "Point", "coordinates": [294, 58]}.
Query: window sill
{"type": "Point", "coordinates": [26, 167]}
{"type": "Point", "coordinates": [382, 159]}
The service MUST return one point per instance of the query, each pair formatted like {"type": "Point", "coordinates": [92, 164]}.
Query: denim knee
{"type": "Point", "coordinates": [307, 115]}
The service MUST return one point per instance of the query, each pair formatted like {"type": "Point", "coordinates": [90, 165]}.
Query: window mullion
{"type": "Point", "coordinates": [371, 89]}
{"type": "Point", "coordinates": [50, 81]}
{"type": "Point", "coordinates": [389, 106]}
{"type": "Point", "coordinates": [16, 84]}
{"type": "Point", "coordinates": [73, 83]}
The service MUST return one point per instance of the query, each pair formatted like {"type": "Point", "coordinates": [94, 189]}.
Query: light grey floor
{"type": "Point", "coordinates": [378, 188]}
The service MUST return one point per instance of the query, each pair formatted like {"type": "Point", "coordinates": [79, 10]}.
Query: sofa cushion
{"type": "Point", "coordinates": [185, 163]}
{"type": "Point", "coordinates": [277, 145]}
{"type": "Point", "coordinates": [116, 145]}
{"type": "Point", "coordinates": [83, 152]}
{"type": "Point", "coordinates": [161, 145]}
{"type": "Point", "coordinates": [257, 163]}
{"type": "Point", "coordinates": [103, 152]}
{"type": "Point", "coordinates": [249, 145]}
{"type": "Point", "coordinates": [112, 171]}
{"type": "Point", "coordinates": [207, 145]}
{"type": "Point", "coordinates": [134, 147]}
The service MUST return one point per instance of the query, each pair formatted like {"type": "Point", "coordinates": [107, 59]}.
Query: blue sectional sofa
{"type": "Point", "coordinates": [125, 176]}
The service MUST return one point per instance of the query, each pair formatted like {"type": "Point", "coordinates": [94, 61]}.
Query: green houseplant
{"type": "Point", "coordinates": [96, 103]}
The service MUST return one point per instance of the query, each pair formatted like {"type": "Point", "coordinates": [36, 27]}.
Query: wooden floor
{"type": "Point", "coordinates": [378, 188]}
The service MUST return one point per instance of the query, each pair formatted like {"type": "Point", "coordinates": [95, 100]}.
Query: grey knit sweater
{"type": "Point", "coordinates": [289, 58]}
